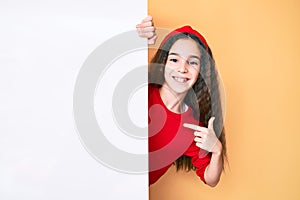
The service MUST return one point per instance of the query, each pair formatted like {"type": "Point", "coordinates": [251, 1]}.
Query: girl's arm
{"type": "Point", "coordinates": [213, 171]}
{"type": "Point", "coordinates": [206, 139]}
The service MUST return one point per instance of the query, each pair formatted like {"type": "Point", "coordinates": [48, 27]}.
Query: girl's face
{"type": "Point", "coordinates": [182, 66]}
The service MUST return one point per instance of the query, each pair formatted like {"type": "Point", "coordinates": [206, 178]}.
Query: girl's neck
{"type": "Point", "coordinates": [173, 101]}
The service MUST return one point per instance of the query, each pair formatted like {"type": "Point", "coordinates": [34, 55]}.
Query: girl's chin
{"type": "Point", "coordinates": [180, 90]}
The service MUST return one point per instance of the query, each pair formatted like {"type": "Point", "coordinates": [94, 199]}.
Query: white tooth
{"type": "Point", "coordinates": [181, 80]}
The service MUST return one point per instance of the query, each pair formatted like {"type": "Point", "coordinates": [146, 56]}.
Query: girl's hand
{"type": "Point", "coordinates": [146, 30]}
{"type": "Point", "coordinates": [206, 138]}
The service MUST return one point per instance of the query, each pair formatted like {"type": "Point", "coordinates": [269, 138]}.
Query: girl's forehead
{"type": "Point", "coordinates": [186, 47]}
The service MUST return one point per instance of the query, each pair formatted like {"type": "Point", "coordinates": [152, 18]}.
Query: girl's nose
{"type": "Point", "coordinates": [182, 66]}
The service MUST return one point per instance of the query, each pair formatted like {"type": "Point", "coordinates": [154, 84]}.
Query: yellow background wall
{"type": "Point", "coordinates": [256, 45]}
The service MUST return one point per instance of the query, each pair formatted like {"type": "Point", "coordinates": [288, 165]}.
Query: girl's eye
{"type": "Point", "coordinates": [193, 63]}
{"type": "Point", "coordinates": [173, 60]}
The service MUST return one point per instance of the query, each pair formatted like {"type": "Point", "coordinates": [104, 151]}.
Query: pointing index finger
{"type": "Point", "coordinates": [194, 127]}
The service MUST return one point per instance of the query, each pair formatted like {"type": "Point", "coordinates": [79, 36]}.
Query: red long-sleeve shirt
{"type": "Point", "coordinates": [168, 139]}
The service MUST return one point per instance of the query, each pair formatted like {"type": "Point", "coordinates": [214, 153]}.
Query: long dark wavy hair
{"type": "Point", "coordinates": [208, 100]}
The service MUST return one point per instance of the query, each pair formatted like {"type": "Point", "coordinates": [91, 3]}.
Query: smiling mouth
{"type": "Point", "coordinates": [180, 79]}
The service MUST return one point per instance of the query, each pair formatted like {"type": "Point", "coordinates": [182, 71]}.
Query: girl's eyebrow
{"type": "Point", "coordinates": [177, 54]}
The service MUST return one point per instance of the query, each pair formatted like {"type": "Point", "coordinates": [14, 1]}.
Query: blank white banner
{"type": "Point", "coordinates": [43, 47]}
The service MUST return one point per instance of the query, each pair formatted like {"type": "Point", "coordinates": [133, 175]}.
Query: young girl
{"type": "Point", "coordinates": [185, 115]}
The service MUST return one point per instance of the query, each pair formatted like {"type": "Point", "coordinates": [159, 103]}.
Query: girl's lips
{"type": "Point", "coordinates": [180, 79]}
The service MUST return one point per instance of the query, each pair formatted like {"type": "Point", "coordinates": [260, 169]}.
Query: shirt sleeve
{"type": "Point", "coordinates": [200, 162]}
